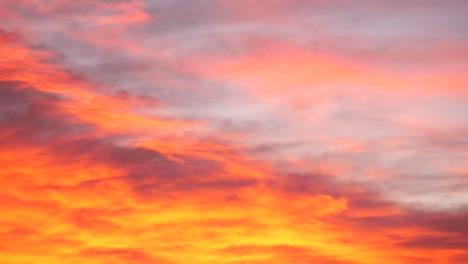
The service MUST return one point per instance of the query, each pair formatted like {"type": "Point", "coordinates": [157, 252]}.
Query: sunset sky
{"type": "Point", "coordinates": [234, 131]}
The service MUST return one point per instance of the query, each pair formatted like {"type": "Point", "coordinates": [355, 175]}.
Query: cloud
{"type": "Point", "coordinates": [279, 253]}
{"type": "Point", "coordinates": [120, 255]}
{"type": "Point", "coordinates": [265, 132]}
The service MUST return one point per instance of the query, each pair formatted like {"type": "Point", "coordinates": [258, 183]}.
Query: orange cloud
{"type": "Point", "coordinates": [87, 177]}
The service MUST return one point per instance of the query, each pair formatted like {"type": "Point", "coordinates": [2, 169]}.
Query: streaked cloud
{"type": "Point", "coordinates": [233, 132]}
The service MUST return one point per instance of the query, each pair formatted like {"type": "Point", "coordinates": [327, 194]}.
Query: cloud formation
{"type": "Point", "coordinates": [233, 132]}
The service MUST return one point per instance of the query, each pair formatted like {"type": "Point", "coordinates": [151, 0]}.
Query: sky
{"type": "Point", "coordinates": [234, 131]}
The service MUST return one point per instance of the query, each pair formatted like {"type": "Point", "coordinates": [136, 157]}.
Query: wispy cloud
{"type": "Point", "coordinates": [233, 132]}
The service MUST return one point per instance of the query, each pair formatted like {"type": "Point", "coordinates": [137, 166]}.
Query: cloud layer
{"type": "Point", "coordinates": [231, 132]}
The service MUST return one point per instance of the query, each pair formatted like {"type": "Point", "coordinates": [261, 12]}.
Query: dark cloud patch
{"type": "Point", "coordinates": [450, 222]}
{"type": "Point", "coordinates": [436, 243]}
{"type": "Point", "coordinates": [147, 171]}
{"type": "Point", "coordinates": [200, 166]}
{"type": "Point", "coordinates": [195, 184]}
{"type": "Point", "coordinates": [103, 150]}
{"type": "Point", "coordinates": [30, 116]}
{"type": "Point", "coordinates": [222, 184]}
{"type": "Point", "coordinates": [272, 147]}
{"type": "Point", "coordinates": [358, 194]}
{"type": "Point", "coordinates": [18, 101]}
